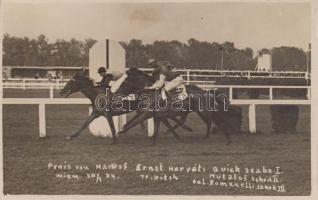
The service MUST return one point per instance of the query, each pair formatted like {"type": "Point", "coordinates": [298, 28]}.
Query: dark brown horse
{"type": "Point", "coordinates": [82, 83]}
{"type": "Point", "coordinates": [137, 80]}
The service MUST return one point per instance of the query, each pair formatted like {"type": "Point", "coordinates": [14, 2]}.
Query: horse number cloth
{"type": "Point", "coordinates": [177, 84]}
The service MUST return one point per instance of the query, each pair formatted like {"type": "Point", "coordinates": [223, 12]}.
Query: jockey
{"type": "Point", "coordinates": [113, 79]}
{"type": "Point", "coordinates": [166, 76]}
{"type": "Point", "coordinates": [106, 78]}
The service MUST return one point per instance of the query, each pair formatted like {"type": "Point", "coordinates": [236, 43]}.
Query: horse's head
{"type": "Point", "coordinates": [77, 83]}
{"type": "Point", "coordinates": [136, 81]}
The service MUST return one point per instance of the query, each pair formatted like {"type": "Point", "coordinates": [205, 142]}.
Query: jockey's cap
{"type": "Point", "coordinates": [151, 61]}
{"type": "Point", "coordinates": [101, 70]}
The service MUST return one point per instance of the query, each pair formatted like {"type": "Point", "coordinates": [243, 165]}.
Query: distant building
{"type": "Point", "coordinates": [264, 62]}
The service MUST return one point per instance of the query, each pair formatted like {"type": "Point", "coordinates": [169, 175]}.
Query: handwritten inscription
{"type": "Point", "coordinates": [226, 176]}
{"type": "Point", "coordinates": [262, 178]}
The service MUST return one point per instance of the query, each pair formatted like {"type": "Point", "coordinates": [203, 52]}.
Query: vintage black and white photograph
{"type": "Point", "coordinates": [157, 98]}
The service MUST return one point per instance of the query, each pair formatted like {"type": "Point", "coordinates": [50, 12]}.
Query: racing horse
{"type": "Point", "coordinates": [136, 81]}
{"type": "Point", "coordinates": [81, 83]}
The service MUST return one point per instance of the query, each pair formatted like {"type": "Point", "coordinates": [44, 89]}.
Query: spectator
{"type": "Point", "coordinates": [59, 75]}
{"type": "Point", "coordinates": [37, 76]}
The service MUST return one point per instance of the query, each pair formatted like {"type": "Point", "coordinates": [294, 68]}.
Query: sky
{"type": "Point", "coordinates": [255, 25]}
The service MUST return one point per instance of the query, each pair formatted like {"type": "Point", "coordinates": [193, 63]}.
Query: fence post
{"type": "Point", "coordinates": [308, 93]}
{"type": "Point", "coordinates": [188, 76]}
{"type": "Point", "coordinates": [23, 84]}
{"type": "Point", "coordinates": [252, 118]}
{"type": "Point", "coordinates": [151, 128]}
{"type": "Point", "coordinates": [90, 109]}
{"type": "Point", "coordinates": [51, 91]}
{"type": "Point", "coordinates": [58, 84]}
{"type": "Point", "coordinates": [42, 120]}
{"type": "Point", "coordinates": [231, 93]}
{"type": "Point", "coordinates": [271, 93]}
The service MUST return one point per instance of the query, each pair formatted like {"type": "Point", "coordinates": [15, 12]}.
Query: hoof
{"type": "Point", "coordinates": [121, 132]}
{"type": "Point", "coordinates": [153, 143]}
{"type": "Point", "coordinates": [69, 137]}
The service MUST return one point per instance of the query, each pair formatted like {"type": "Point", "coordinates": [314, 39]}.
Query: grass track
{"type": "Point", "coordinates": [26, 157]}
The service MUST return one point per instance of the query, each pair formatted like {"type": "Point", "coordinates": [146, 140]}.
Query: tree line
{"type": "Point", "coordinates": [194, 54]}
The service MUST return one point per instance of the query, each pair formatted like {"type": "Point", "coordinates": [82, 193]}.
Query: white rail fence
{"type": "Point", "coordinates": [202, 78]}
{"type": "Point", "coordinates": [51, 86]}
{"type": "Point", "coordinates": [251, 103]}
{"type": "Point", "coordinates": [203, 75]}
{"type": "Point", "coordinates": [203, 72]}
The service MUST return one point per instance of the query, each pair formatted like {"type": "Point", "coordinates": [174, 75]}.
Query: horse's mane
{"type": "Point", "coordinates": [139, 73]}
{"type": "Point", "coordinates": [82, 77]}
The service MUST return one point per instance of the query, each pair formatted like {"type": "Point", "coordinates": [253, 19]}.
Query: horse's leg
{"type": "Point", "coordinates": [224, 125]}
{"type": "Point", "coordinates": [142, 117]}
{"type": "Point", "coordinates": [156, 130]}
{"type": "Point", "coordinates": [226, 130]}
{"type": "Point", "coordinates": [133, 118]}
{"type": "Point", "coordinates": [228, 127]}
{"type": "Point", "coordinates": [208, 126]}
{"type": "Point", "coordinates": [172, 128]}
{"type": "Point", "coordinates": [112, 128]}
{"type": "Point", "coordinates": [214, 127]}
{"type": "Point", "coordinates": [86, 123]}
{"type": "Point", "coordinates": [143, 127]}
{"type": "Point", "coordinates": [166, 122]}
{"type": "Point", "coordinates": [207, 120]}
{"type": "Point", "coordinates": [179, 122]}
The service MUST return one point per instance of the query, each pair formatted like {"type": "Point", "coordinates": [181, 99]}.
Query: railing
{"type": "Point", "coordinates": [43, 101]}
{"type": "Point", "coordinates": [249, 74]}
{"type": "Point", "coordinates": [204, 74]}
{"type": "Point", "coordinates": [235, 101]}
{"type": "Point", "coordinates": [202, 78]}
{"type": "Point", "coordinates": [58, 84]}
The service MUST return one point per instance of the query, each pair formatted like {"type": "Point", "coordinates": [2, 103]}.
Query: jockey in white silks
{"type": "Point", "coordinates": [118, 78]}
{"type": "Point", "coordinates": [166, 78]}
